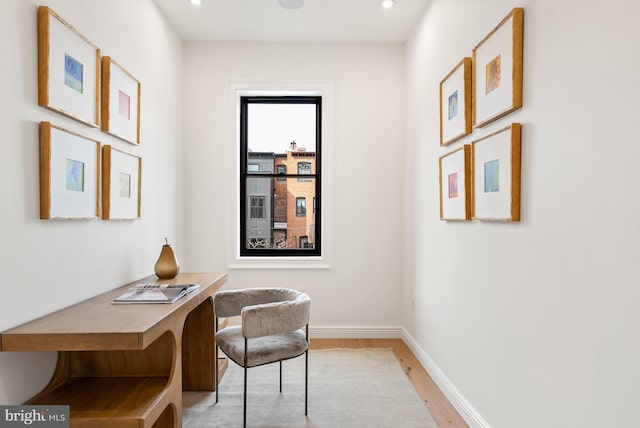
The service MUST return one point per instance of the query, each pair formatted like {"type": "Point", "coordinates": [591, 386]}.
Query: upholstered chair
{"type": "Point", "coordinates": [272, 320]}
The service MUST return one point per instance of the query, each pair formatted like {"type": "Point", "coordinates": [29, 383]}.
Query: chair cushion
{"type": "Point", "coordinates": [261, 350]}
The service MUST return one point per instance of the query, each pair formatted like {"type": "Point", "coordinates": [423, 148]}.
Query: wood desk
{"type": "Point", "coordinates": [126, 365]}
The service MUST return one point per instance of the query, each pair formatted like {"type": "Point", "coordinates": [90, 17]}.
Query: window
{"type": "Point", "coordinates": [304, 168]}
{"type": "Point", "coordinates": [301, 207]}
{"type": "Point", "coordinates": [280, 165]}
{"type": "Point", "coordinates": [257, 205]}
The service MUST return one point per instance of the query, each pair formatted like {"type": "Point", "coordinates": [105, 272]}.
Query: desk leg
{"type": "Point", "coordinates": [61, 375]}
{"type": "Point", "coordinates": [198, 352]}
{"type": "Point", "coordinates": [168, 419]}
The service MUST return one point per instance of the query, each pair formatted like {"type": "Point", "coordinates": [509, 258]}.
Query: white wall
{"type": "Point", "coordinates": [47, 265]}
{"type": "Point", "coordinates": [535, 323]}
{"type": "Point", "coordinates": [364, 106]}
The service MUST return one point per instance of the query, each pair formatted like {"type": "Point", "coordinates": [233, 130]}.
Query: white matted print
{"type": "Point", "coordinates": [497, 75]}
{"type": "Point", "coordinates": [120, 102]}
{"type": "Point", "coordinates": [121, 181]}
{"type": "Point", "coordinates": [68, 69]}
{"type": "Point", "coordinates": [496, 175]}
{"type": "Point", "coordinates": [455, 184]}
{"type": "Point", "coordinates": [69, 174]}
{"type": "Point", "coordinates": [455, 103]}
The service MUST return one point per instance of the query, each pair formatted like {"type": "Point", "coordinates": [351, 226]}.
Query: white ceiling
{"type": "Point", "coordinates": [316, 21]}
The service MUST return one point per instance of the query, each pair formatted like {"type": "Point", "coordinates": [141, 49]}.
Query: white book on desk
{"type": "Point", "coordinates": [156, 293]}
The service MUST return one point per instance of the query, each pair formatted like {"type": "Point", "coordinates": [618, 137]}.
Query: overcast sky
{"type": "Point", "coordinates": [273, 126]}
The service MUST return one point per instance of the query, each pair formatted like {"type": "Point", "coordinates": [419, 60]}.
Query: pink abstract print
{"type": "Point", "coordinates": [124, 105]}
{"type": "Point", "coordinates": [453, 185]}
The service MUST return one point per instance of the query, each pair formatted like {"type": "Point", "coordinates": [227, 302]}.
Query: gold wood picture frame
{"type": "Point", "coordinates": [69, 174]}
{"type": "Point", "coordinates": [455, 103]}
{"type": "Point", "coordinates": [68, 70]}
{"type": "Point", "coordinates": [121, 184]}
{"type": "Point", "coordinates": [120, 102]}
{"type": "Point", "coordinates": [496, 175]}
{"type": "Point", "coordinates": [455, 184]}
{"type": "Point", "coordinates": [497, 70]}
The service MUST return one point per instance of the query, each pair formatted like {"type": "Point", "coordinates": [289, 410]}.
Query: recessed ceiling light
{"type": "Point", "coordinates": [291, 4]}
{"type": "Point", "coordinates": [196, 2]}
{"type": "Point", "coordinates": [387, 4]}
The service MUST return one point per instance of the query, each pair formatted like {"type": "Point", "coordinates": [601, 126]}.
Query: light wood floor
{"type": "Point", "coordinates": [442, 411]}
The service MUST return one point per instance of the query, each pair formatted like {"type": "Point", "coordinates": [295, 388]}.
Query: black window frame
{"type": "Point", "coordinates": [315, 250]}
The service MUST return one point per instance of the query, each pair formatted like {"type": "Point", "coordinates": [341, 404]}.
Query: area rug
{"type": "Point", "coordinates": [347, 388]}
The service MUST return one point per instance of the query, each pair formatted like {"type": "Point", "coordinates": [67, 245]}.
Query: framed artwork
{"type": "Point", "coordinates": [121, 184]}
{"type": "Point", "coordinates": [497, 70]}
{"type": "Point", "coordinates": [68, 69]}
{"type": "Point", "coordinates": [455, 103]}
{"type": "Point", "coordinates": [69, 174]}
{"type": "Point", "coordinates": [496, 175]}
{"type": "Point", "coordinates": [455, 184]}
{"type": "Point", "coordinates": [120, 102]}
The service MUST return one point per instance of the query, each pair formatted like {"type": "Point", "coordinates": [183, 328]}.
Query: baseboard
{"type": "Point", "coordinates": [455, 397]}
{"type": "Point", "coordinates": [355, 332]}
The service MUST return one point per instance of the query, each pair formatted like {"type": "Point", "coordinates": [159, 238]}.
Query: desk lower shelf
{"type": "Point", "coordinates": [109, 401]}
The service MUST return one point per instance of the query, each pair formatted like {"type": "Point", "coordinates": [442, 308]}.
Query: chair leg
{"type": "Point", "coordinates": [244, 417]}
{"type": "Point", "coordinates": [306, 370]}
{"type": "Point", "coordinates": [280, 376]}
{"type": "Point", "coordinates": [217, 374]}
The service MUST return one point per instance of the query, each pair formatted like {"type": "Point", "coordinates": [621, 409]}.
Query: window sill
{"type": "Point", "coordinates": [307, 263]}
